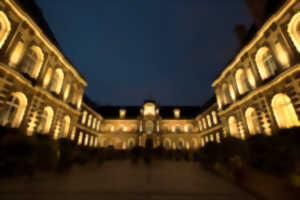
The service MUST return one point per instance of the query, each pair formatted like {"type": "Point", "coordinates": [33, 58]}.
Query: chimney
{"type": "Point", "coordinates": [241, 33]}
{"type": "Point", "coordinates": [257, 10]}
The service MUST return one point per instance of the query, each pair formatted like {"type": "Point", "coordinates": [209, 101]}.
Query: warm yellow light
{"type": "Point", "coordinates": [122, 113]}
{"type": "Point", "coordinates": [251, 78]}
{"type": "Point", "coordinates": [5, 28]}
{"type": "Point", "coordinates": [232, 92]}
{"type": "Point", "coordinates": [17, 54]}
{"type": "Point", "coordinates": [282, 55]}
{"type": "Point", "coordinates": [177, 113]}
{"type": "Point", "coordinates": [293, 30]}
{"type": "Point", "coordinates": [149, 109]}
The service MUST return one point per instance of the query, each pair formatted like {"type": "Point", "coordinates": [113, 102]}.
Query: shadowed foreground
{"type": "Point", "coordinates": [124, 180]}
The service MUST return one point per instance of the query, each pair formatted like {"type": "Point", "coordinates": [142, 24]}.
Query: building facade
{"type": "Point", "coordinates": [42, 92]}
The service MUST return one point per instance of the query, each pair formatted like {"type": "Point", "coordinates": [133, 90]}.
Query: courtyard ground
{"type": "Point", "coordinates": [161, 180]}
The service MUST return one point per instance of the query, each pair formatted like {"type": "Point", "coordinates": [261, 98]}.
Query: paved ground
{"type": "Point", "coordinates": [122, 180]}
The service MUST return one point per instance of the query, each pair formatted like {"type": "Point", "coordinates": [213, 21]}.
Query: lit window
{"type": "Point", "coordinates": [208, 120]}
{"type": "Point", "coordinates": [265, 62]}
{"type": "Point", "coordinates": [16, 54]}
{"type": "Point", "coordinates": [66, 126]}
{"type": "Point", "coordinates": [252, 121]}
{"type": "Point", "coordinates": [89, 123]}
{"type": "Point", "coordinates": [294, 30]}
{"type": "Point", "coordinates": [233, 128]}
{"type": "Point", "coordinates": [83, 119]}
{"type": "Point", "coordinates": [284, 111]}
{"type": "Point", "coordinates": [14, 109]}
{"type": "Point", "coordinates": [33, 61]}
{"type": "Point", "coordinates": [204, 123]}
{"type": "Point", "coordinates": [218, 139]}
{"type": "Point", "coordinates": [214, 116]}
{"type": "Point", "coordinates": [46, 120]}
{"type": "Point", "coordinates": [57, 81]}
{"type": "Point", "coordinates": [5, 28]}
{"type": "Point", "coordinates": [241, 81]}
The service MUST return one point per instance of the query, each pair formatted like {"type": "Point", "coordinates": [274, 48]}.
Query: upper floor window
{"type": "Point", "coordinates": [84, 115]}
{"type": "Point", "coordinates": [294, 30]}
{"type": "Point", "coordinates": [33, 61]}
{"type": "Point", "coordinates": [57, 81]}
{"type": "Point", "coordinates": [226, 94]}
{"type": "Point", "coordinates": [241, 81]}
{"type": "Point", "coordinates": [17, 54]}
{"type": "Point", "coordinates": [204, 123]}
{"type": "Point", "coordinates": [89, 123]}
{"type": "Point", "coordinates": [208, 120]}
{"type": "Point", "coordinates": [5, 28]}
{"type": "Point", "coordinates": [265, 62]}
{"type": "Point", "coordinates": [214, 116]}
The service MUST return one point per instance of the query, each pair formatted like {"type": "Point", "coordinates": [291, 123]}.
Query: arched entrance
{"type": "Point", "coordinates": [149, 143]}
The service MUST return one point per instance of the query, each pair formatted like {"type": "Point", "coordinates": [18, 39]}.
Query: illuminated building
{"type": "Point", "coordinates": [258, 92]}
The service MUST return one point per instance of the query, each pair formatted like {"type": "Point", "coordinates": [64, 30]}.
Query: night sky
{"type": "Point", "coordinates": [132, 50]}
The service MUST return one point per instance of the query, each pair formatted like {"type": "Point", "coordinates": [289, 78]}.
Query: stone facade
{"type": "Point", "coordinates": [42, 92]}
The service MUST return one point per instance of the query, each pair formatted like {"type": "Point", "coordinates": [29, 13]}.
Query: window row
{"type": "Point", "coordinates": [13, 112]}
{"type": "Point", "coordinates": [90, 121]}
{"type": "Point", "coordinates": [180, 144]}
{"type": "Point", "coordinates": [269, 59]}
{"type": "Point", "coordinates": [208, 121]}
{"type": "Point", "coordinates": [29, 60]}
{"type": "Point", "coordinates": [283, 111]}
{"type": "Point", "coordinates": [87, 140]}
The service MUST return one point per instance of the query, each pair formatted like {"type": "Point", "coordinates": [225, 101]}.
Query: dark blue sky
{"type": "Point", "coordinates": [131, 50]}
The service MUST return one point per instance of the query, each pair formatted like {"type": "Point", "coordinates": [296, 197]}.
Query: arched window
{"type": "Point", "coordinates": [241, 81]}
{"type": "Point", "coordinates": [94, 123]}
{"type": "Point", "coordinates": [176, 128]}
{"type": "Point", "coordinates": [214, 116]}
{"type": "Point", "coordinates": [5, 28]}
{"type": "Point", "coordinates": [226, 94]}
{"type": "Point", "coordinates": [284, 111]}
{"type": "Point", "coordinates": [17, 54]}
{"type": "Point", "coordinates": [208, 120]}
{"type": "Point", "coordinates": [212, 138]}
{"type": "Point", "coordinates": [200, 125]}
{"type": "Point", "coordinates": [33, 61]}
{"type": "Point", "coordinates": [84, 116]}
{"type": "Point", "coordinates": [89, 123]}
{"type": "Point", "coordinates": [80, 138]}
{"type": "Point", "coordinates": [86, 139]}
{"type": "Point", "coordinates": [13, 110]}
{"type": "Point", "coordinates": [57, 81]}
{"type": "Point", "coordinates": [47, 77]}
{"type": "Point", "coordinates": [180, 144]}
{"type": "Point", "coordinates": [46, 120]}
{"type": "Point", "coordinates": [252, 121]}
{"type": "Point", "coordinates": [187, 145]}
{"type": "Point", "coordinates": [294, 30]}
{"type": "Point", "coordinates": [251, 78]}
{"type": "Point", "coordinates": [67, 91]}
{"type": "Point", "coordinates": [204, 123]}
{"type": "Point", "coordinates": [265, 62]}
{"type": "Point", "coordinates": [66, 125]}
{"type": "Point", "coordinates": [233, 128]}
